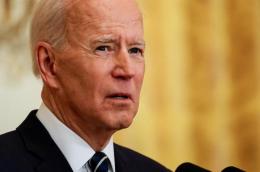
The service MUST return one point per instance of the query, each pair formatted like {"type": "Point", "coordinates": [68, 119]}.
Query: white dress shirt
{"type": "Point", "coordinates": [76, 151]}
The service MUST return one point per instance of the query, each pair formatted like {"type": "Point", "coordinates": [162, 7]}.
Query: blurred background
{"type": "Point", "coordinates": [201, 95]}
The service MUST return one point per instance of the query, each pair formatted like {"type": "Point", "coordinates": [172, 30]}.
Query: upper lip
{"type": "Point", "coordinates": [120, 94]}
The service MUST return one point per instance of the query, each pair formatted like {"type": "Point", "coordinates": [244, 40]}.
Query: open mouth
{"type": "Point", "coordinates": [120, 96]}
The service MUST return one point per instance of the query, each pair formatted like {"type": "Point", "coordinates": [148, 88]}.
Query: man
{"type": "Point", "coordinates": [90, 57]}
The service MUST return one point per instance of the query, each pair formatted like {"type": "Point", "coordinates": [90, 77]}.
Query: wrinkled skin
{"type": "Point", "coordinates": [93, 84]}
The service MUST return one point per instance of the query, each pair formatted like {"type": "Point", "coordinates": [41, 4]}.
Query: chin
{"type": "Point", "coordinates": [122, 120]}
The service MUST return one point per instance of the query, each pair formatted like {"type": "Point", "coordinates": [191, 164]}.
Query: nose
{"type": "Point", "coordinates": [123, 68]}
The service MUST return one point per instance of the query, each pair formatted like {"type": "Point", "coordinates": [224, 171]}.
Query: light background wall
{"type": "Point", "coordinates": [201, 95]}
{"type": "Point", "coordinates": [19, 89]}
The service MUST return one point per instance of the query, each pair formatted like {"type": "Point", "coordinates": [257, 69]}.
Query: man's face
{"type": "Point", "coordinates": [100, 72]}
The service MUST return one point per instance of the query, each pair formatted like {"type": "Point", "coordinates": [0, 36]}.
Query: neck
{"type": "Point", "coordinates": [95, 136]}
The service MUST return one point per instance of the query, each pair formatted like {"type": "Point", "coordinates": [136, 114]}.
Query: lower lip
{"type": "Point", "coordinates": [119, 100]}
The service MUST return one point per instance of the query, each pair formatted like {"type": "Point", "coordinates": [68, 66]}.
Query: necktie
{"type": "Point", "coordinates": [99, 162]}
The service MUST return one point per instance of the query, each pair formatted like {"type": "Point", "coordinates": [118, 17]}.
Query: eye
{"type": "Point", "coordinates": [136, 51]}
{"type": "Point", "coordinates": [103, 48]}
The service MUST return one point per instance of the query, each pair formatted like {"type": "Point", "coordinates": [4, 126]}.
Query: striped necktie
{"type": "Point", "coordinates": [99, 162]}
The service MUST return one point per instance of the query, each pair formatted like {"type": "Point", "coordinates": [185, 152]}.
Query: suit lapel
{"type": "Point", "coordinates": [122, 162]}
{"type": "Point", "coordinates": [38, 141]}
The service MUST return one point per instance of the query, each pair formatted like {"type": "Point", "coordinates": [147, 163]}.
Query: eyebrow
{"type": "Point", "coordinates": [110, 39]}
{"type": "Point", "coordinates": [105, 39]}
{"type": "Point", "coordinates": [139, 43]}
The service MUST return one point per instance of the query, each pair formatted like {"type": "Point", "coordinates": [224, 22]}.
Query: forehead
{"type": "Point", "coordinates": [90, 19]}
{"type": "Point", "coordinates": [84, 12]}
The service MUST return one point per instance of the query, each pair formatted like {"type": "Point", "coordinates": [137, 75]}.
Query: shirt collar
{"type": "Point", "coordinates": [74, 148]}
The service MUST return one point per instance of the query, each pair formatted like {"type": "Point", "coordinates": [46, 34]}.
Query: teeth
{"type": "Point", "coordinates": [120, 97]}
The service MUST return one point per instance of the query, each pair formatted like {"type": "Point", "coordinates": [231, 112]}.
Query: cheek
{"type": "Point", "coordinates": [75, 83]}
{"type": "Point", "coordinates": [140, 74]}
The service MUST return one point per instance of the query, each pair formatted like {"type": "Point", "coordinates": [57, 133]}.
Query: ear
{"type": "Point", "coordinates": [45, 59]}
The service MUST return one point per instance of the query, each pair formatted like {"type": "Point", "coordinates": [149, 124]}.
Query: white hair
{"type": "Point", "coordinates": [48, 25]}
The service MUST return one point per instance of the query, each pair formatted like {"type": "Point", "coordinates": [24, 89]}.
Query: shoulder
{"type": "Point", "coordinates": [10, 142]}
{"type": "Point", "coordinates": [12, 151]}
{"type": "Point", "coordinates": [137, 160]}
{"type": "Point", "coordinates": [11, 145]}
{"type": "Point", "coordinates": [15, 154]}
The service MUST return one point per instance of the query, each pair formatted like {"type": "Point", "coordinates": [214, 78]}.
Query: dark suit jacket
{"type": "Point", "coordinates": [31, 149]}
